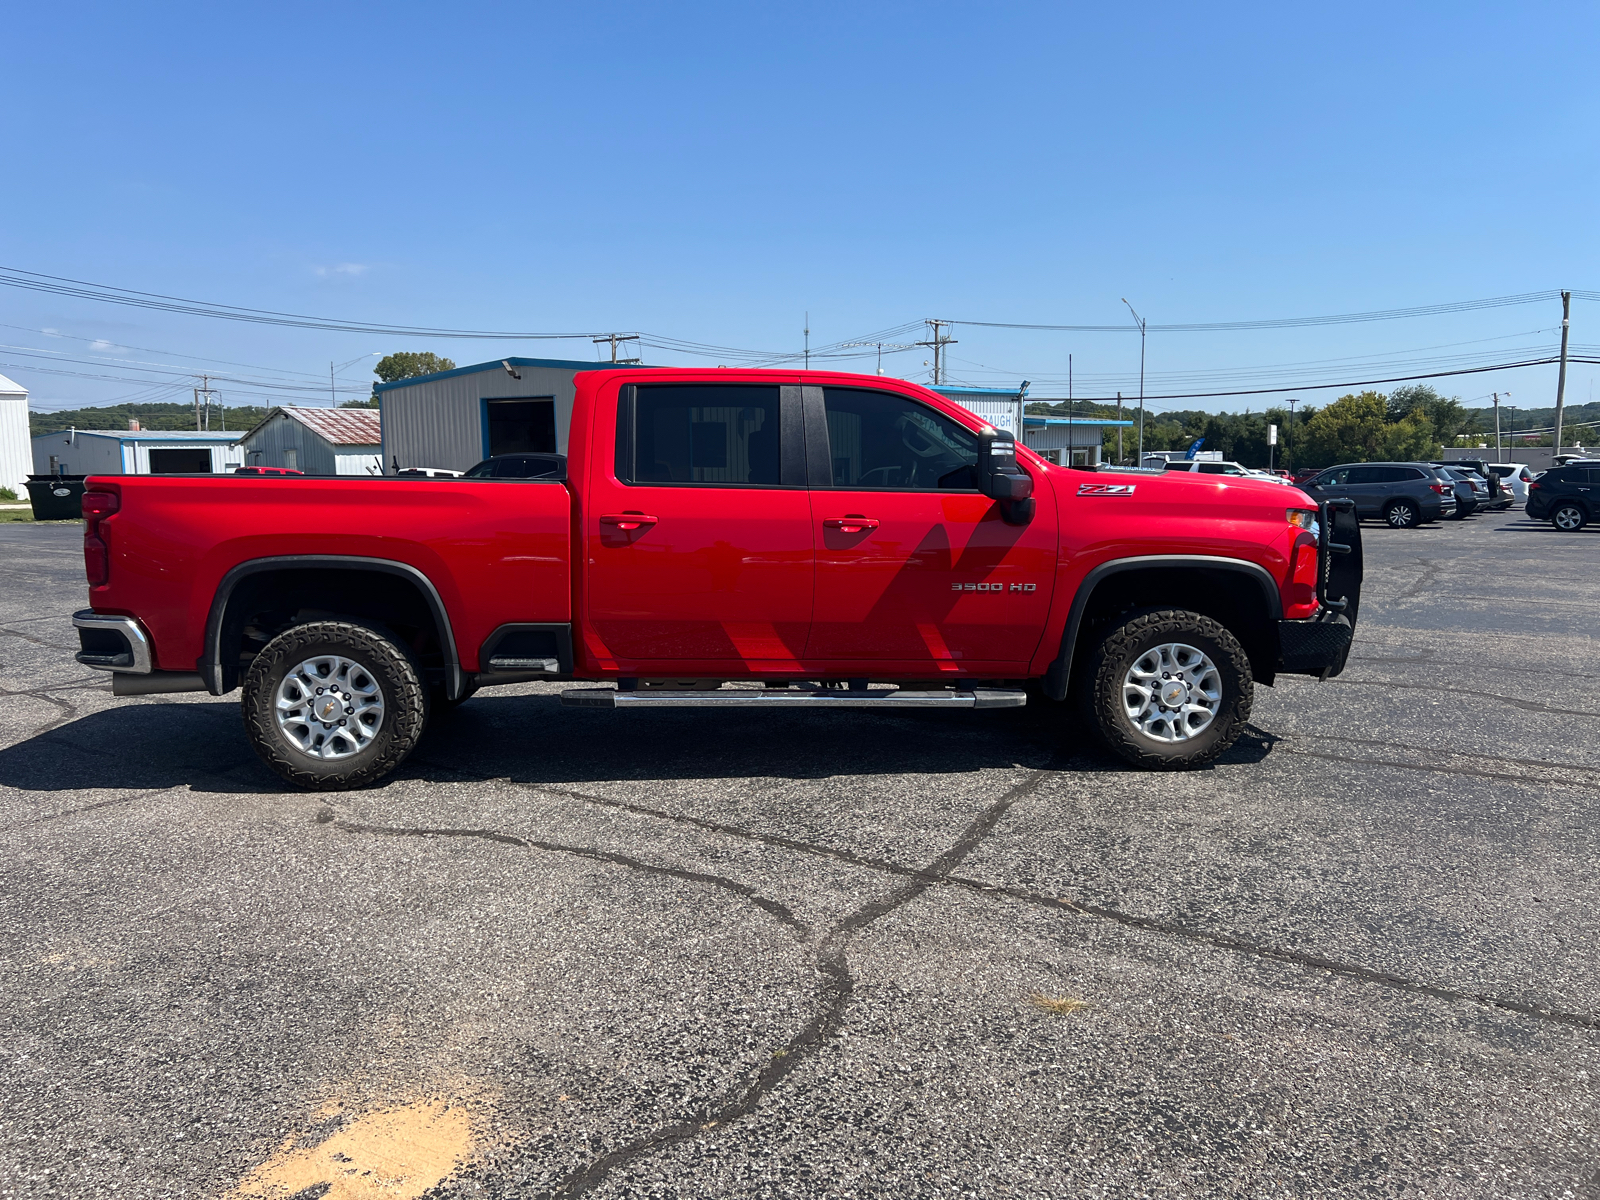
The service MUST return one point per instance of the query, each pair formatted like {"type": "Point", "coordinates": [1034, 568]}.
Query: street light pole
{"type": "Point", "coordinates": [333, 397]}
{"type": "Point", "coordinates": [1139, 321]}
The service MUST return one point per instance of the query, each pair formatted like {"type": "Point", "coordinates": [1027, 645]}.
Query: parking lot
{"type": "Point", "coordinates": [606, 953]}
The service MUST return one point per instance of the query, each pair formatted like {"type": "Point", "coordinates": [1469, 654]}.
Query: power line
{"type": "Point", "coordinates": [1386, 314]}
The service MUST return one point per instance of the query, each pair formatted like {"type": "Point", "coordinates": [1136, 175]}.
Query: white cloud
{"type": "Point", "coordinates": [52, 332]}
{"type": "Point", "coordinates": [347, 268]}
{"type": "Point", "coordinates": [102, 344]}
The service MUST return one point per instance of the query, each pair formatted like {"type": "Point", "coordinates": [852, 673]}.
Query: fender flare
{"type": "Point", "coordinates": [210, 663]}
{"type": "Point", "coordinates": [1059, 673]}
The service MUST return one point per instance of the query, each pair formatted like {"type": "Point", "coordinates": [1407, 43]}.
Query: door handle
{"type": "Point", "coordinates": [850, 524]}
{"type": "Point", "coordinates": [627, 520]}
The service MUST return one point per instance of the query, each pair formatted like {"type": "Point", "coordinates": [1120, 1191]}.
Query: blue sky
{"type": "Point", "coordinates": [713, 172]}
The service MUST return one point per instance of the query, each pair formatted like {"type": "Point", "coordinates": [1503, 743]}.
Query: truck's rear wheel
{"type": "Point", "coordinates": [334, 704]}
{"type": "Point", "coordinates": [1169, 689]}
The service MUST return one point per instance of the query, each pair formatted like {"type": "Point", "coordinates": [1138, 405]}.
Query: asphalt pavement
{"type": "Point", "coordinates": [645, 953]}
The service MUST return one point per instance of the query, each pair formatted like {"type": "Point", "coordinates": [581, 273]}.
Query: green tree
{"type": "Point", "coordinates": [402, 364]}
{"type": "Point", "coordinates": [1449, 418]}
{"type": "Point", "coordinates": [1357, 429]}
{"type": "Point", "coordinates": [408, 364]}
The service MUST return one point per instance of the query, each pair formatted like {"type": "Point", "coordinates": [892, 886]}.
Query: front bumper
{"type": "Point", "coordinates": [1317, 647]}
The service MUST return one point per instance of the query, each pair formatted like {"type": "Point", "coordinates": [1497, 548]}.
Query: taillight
{"type": "Point", "coordinates": [96, 555]}
{"type": "Point", "coordinates": [1533, 487]}
{"type": "Point", "coordinates": [1440, 488]}
{"type": "Point", "coordinates": [100, 504]}
{"type": "Point", "coordinates": [96, 559]}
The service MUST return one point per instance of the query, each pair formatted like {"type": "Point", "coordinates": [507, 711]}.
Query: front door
{"type": "Point", "coordinates": [914, 567]}
{"type": "Point", "coordinates": [698, 532]}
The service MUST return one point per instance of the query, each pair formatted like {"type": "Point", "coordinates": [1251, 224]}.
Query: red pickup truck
{"type": "Point", "coordinates": [722, 538]}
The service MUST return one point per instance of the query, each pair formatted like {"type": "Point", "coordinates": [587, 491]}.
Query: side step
{"type": "Point", "coordinates": [792, 698]}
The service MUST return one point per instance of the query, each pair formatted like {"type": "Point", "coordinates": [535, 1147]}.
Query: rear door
{"type": "Point", "coordinates": [697, 528]}
{"type": "Point", "coordinates": [916, 570]}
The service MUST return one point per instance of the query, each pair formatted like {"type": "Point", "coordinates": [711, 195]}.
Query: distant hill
{"type": "Point", "coordinates": [149, 416]}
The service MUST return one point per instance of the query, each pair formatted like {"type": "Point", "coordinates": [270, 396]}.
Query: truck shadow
{"type": "Point", "coordinates": [533, 739]}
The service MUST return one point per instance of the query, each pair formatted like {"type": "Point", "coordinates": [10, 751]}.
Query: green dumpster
{"type": "Point", "coordinates": [56, 497]}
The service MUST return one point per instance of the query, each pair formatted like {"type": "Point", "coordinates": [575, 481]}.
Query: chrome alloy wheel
{"type": "Point", "coordinates": [1172, 693]}
{"type": "Point", "coordinates": [1568, 518]}
{"type": "Point", "coordinates": [329, 707]}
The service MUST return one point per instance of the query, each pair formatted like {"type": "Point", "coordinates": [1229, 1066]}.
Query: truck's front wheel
{"type": "Point", "coordinates": [334, 704]}
{"type": "Point", "coordinates": [1170, 689]}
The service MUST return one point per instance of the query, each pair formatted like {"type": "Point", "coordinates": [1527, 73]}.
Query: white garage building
{"type": "Point", "coordinates": [15, 453]}
{"type": "Point", "coordinates": [135, 452]}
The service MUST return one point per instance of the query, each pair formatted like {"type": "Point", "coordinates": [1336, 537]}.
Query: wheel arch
{"type": "Point", "coordinates": [273, 584]}
{"type": "Point", "coordinates": [1242, 595]}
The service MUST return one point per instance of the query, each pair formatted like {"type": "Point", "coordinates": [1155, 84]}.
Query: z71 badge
{"type": "Point", "coordinates": [1105, 489]}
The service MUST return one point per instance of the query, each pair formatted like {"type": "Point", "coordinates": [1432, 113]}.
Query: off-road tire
{"type": "Point", "coordinates": [405, 698]}
{"type": "Point", "coordinates": [1124, 644]}
{"type": "Point", "coordinates": [1402, 514]}
{"type": "Point", "coordinates": [1575, 521]}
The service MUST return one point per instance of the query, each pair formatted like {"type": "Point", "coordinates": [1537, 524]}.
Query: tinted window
{"type": "Point", "coordinates": [1362, 475]}
{"type": "Point", "coordinates": [1178, 466]}
{"type": "Point", "coordinates": [522, 426]}
{"type": "Point", "coordinates": [1341, 476]}
{"type": "Point", "coordinates": [181, 462]}
{"type": "Point", "coordinates": [1394, 474]}
{"type": "Point", "coordinates": [702, 433]}
{"type": "Point", "coordinates": [881, 440]}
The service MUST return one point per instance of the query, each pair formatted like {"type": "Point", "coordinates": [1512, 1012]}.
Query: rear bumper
{"type": "Point", "coordinates": [112, 643]}
{"type": "Point", "coordinates": [1317, 647]}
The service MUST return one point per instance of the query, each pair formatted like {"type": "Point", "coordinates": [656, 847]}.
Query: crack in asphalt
{"type": "Point", "coordinates": [1528, 705]}
{"type": "Point", "coordinates": [837, 989]}
{"type": "Point", "coordinates": [929, 877]}
{"type": "Point", "coordinates": [784, 915]}
{"type": "Point", "coordinates": [1431, 570]}
{"type": "Point", "coordinates": [831, 963]}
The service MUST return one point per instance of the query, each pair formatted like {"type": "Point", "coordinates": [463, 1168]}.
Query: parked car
{"type": "Point", "coordinates": [1402, 495]}
{"type": "Point", "coordinates": [1568, 497]}
{"type": "Point", "coordinates": [520, 466]}
{"type": "Point", "coordinates": [1472, 491]}
{"type": "Point", "coordinates": [428, 473]}
{"type": "Point", "coordinates": [1498, 497]}
{"type": "Point", "coordinates": [1204, 467]}
{"type": "Point", "coordinates": [266, 471]}
{"type": "Point", "coordinates": [1515, 478]}
{"type": "Point", "coordinates": [819, 533]}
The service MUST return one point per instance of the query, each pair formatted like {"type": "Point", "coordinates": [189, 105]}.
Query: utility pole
{"type": "Point", "coordinates": [1068, 463]}
{"type": "Point", "coordinates": [808, 340]}
{"type": "Point", "coordinates": [1497, 454]}
{"type": "Point", "coordinates": [203, 390]}
{"type": "Point", "coordinates": [1561, 379]}
{"type": "Point", "coordinates": [880, 346]}
{"type": "Point", "coordinates": [939, 342]}
{"type": "Point", "coordinates": [614, 339]}
{"type": "Point", "coordinates": [1288, 442]}
{"type": "Point", "coordinates": [1120, 463]}
{"type": "Point", "coordinates": [1140, 322]}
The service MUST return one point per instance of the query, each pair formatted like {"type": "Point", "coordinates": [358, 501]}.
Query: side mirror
{"type": "Point", "coordinates": [1001, 479]}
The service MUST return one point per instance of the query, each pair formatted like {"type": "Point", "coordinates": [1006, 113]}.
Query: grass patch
{"type": "Point", "coordinates": [1061, 1006]}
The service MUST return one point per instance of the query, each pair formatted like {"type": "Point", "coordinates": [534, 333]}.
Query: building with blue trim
{"type": "Point", "coordinates": [453, 419]}
{"type": "Point", "coordinates": [136, 452]}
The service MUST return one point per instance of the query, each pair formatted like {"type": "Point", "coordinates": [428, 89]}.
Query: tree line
{"type": "Point", "coordinates": [1412, 422]}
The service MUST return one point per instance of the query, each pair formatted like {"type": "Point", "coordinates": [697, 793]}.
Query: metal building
{"type": "Point", "coordinates": [318, 441]}
{"type": "Point", "coordinates": [135, 452]}
{"type": "Point", "coordinates": [15, 453]}
{"type": "Point", "coordinates": [454, 419]}
{"type": "Point", "coordinates": [1001, 407]}
{"type": "Point", "coordinates": [1068, 442]}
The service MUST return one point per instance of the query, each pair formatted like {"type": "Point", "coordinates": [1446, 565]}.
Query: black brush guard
{"type": "Point", "coordinates": [1320, 646]}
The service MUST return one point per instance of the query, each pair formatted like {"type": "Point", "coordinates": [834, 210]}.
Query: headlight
{"type": "Point", "coordinates": [1304, 518]}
